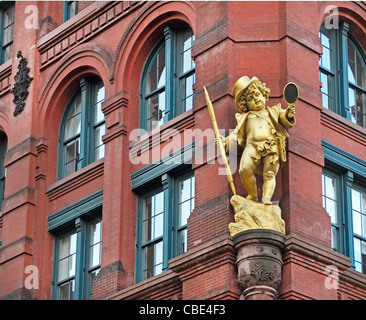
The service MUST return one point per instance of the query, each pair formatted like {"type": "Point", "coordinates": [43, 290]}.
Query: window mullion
{"type": "Point", "coordinates": [170, 111]}
{"type": "Point", "coordinates": [343, 81]}
{"type": "Point", "coordinates": [80, 259]}
{"type": "Point", "coordinates": [167, 182]}
{"type": "Point", "coordinates": [84, 136]}
{"type": "Point", "coordinates": [347, 216]}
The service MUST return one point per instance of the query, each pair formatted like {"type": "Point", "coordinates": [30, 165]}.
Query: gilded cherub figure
{"type": "Point", "coordinates": [261, 132]}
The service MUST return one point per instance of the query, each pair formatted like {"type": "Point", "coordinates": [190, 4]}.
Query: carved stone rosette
{"type": "Point", "coordinates": [259, 263]}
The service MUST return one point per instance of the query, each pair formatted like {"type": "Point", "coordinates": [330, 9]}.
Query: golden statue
{"type": "Point", "coordinates": [261, 132]}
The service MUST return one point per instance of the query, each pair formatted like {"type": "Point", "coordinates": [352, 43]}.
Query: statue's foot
{"type": "Point", "coordinates": [266, 200]}
{"type": "Point", "coordinates": [252, 198]}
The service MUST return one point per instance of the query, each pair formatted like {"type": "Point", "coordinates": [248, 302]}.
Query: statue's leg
{"type": "Point", "coordinates": [270, 171]}
{"type": "Point", "coordinates": [246, 171]}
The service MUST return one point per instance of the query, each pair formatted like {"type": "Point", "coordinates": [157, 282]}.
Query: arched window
{"type": "Point", "coordinates": [82, 128]}
{"type": "Point", "coordinates": [342, 71]}
{"type": "Point", "coordinates": [168, 78]}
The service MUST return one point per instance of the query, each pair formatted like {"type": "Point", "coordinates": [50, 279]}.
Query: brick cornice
{"type": "Point", "coordinates": [85, 25]}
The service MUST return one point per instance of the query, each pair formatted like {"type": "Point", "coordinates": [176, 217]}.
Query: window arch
{"type": "Point", "coordinates": [342, 71]}
{"type": "Point", "coordinates": [82, 128]}
{"type": "Point", "coordinates": [168, 78]}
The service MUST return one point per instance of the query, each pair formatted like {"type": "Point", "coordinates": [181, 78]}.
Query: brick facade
{"type": "Point", "coordinates": [277, 41]}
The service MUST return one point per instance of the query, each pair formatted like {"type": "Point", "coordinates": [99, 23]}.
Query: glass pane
{"type": "Point", "coordinates": [96, 232]}
{"type": "Point", "coordinates": [67, 246]}
{"type": "Point", "coordinates": [188, 92]}
{"type": "Point", "coordinates": [328, 49]}
{"type": "Point", "coordinates": [356, 222]}
{"type": "Point", "coordinates": [325, 61]}
{"type": "Point", "coordinates": [153, 259]}
{"type": "Point", "coordinates": [158, 225]}
{"type": "Point", "coordinates": [185, 190]}
{"type": "Point", "coordinates": [329, 197]}
{"type": "Point", "coordinates": [356, 66]}
{"type": "Point", "coordinates": [147, 220]}
{"type": "Point", "coordinates": [359, 214]}
{"type": "Point", "coordinates": [325, 84]}
{"type": "Point", "coordinates": [153, 221]}
{"type": "Point", "coordinates": [357, 106]}
{"type": "Point", "coordinates": [158, 257]}
{"type": "Point", "coordinates": [331, 208]}
{"type": "Point", "coordinates": [156, 110]}
{"type": "Point", "coordinates": [159, 202]}
{"type": "Point", "coordinates": [186, 200]}
{"type": "Point", "coordinates": [67, 256]}
{"type": "Point", "coordinates": [184, 212]}
{"type": "Point", "coordinates": [351, 72]}
{"type": "Point", "coordinates": [95, 255]}
{"type": "Point", "coordinates": [352, 104]}
{"type": "Point", "coordinates": [326, 90]}
{"type": "Point", "coordinates": [73, 122]}
{"type": "Point", "coordinates": [98, 100]}
{"type": "Point", "coordinates": [156, 76]}
{"type": "Point", "coordinates": [67, 290]}
{"type": "Point", "coordinates": [182, 241]}
{"type": "Point", "coordinates": [360, 255]}
{"type": "Point", "coordinates": [356, 200]}
{"type": "Point", "coordinates": [95, 243]}
{"type": "Point", "coordinates": [9, 16]}
{"type": "Point", "coordinates": [99, 146]}
{"type": "Point", "coordinates": [8, 34]}
{"type": "Point", "coordinates": [357, 253]}
{"type": "Point", "coordinates": [186, 39]}
{"type": "Point", "coordinates": [325, 37]}
{"type": "Point", "coordinates": [330, 187]}
{"type": "Point", "coordinates": [72, 156]}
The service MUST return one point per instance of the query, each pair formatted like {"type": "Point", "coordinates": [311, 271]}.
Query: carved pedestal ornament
{"type": "Point", "coordinates": [259, 262]}
{"type": "Point", "coordinates": [22, 82]}
{"type": "Point", "coordinates": [258, 230]}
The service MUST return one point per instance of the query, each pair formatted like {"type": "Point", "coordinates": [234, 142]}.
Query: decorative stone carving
{"type": "Point", "coordinates": [259, 263]}
{"type": "Point", "coordinates": [22, 82]}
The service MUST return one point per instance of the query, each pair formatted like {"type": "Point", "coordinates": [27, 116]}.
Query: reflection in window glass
{"type": "Point", "coordinates": [186, 206]}
{"type": "Point", "coordinates": [66, 266]}
{"type": "Point", "coordinates": [359, 229]}
{"type": "Point", "coordinates": [331, 205]}
{"type": "Point", "coordinates": [168, 79]}
{"type": "Point", "coordinates": [153, 228]}
{"type": "Point", "coordinates": [326, 68]}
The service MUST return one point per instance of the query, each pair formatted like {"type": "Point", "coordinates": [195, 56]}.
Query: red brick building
{"type": "Point", "coordinates": [103, 195]}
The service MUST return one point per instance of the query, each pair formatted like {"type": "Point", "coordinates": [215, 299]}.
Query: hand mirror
{"type": "Point", "coordinates": [291, 93]}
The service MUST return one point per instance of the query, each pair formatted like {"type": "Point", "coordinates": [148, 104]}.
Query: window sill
{"type": "Point", "coordinates": [75, 180]}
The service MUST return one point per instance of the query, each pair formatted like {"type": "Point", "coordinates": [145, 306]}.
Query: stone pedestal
{"type": "Point", "coordinates": [259, 262]}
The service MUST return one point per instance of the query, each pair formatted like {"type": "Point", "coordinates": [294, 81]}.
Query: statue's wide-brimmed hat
{"type": "Point", "coordinates": [241, 85]}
